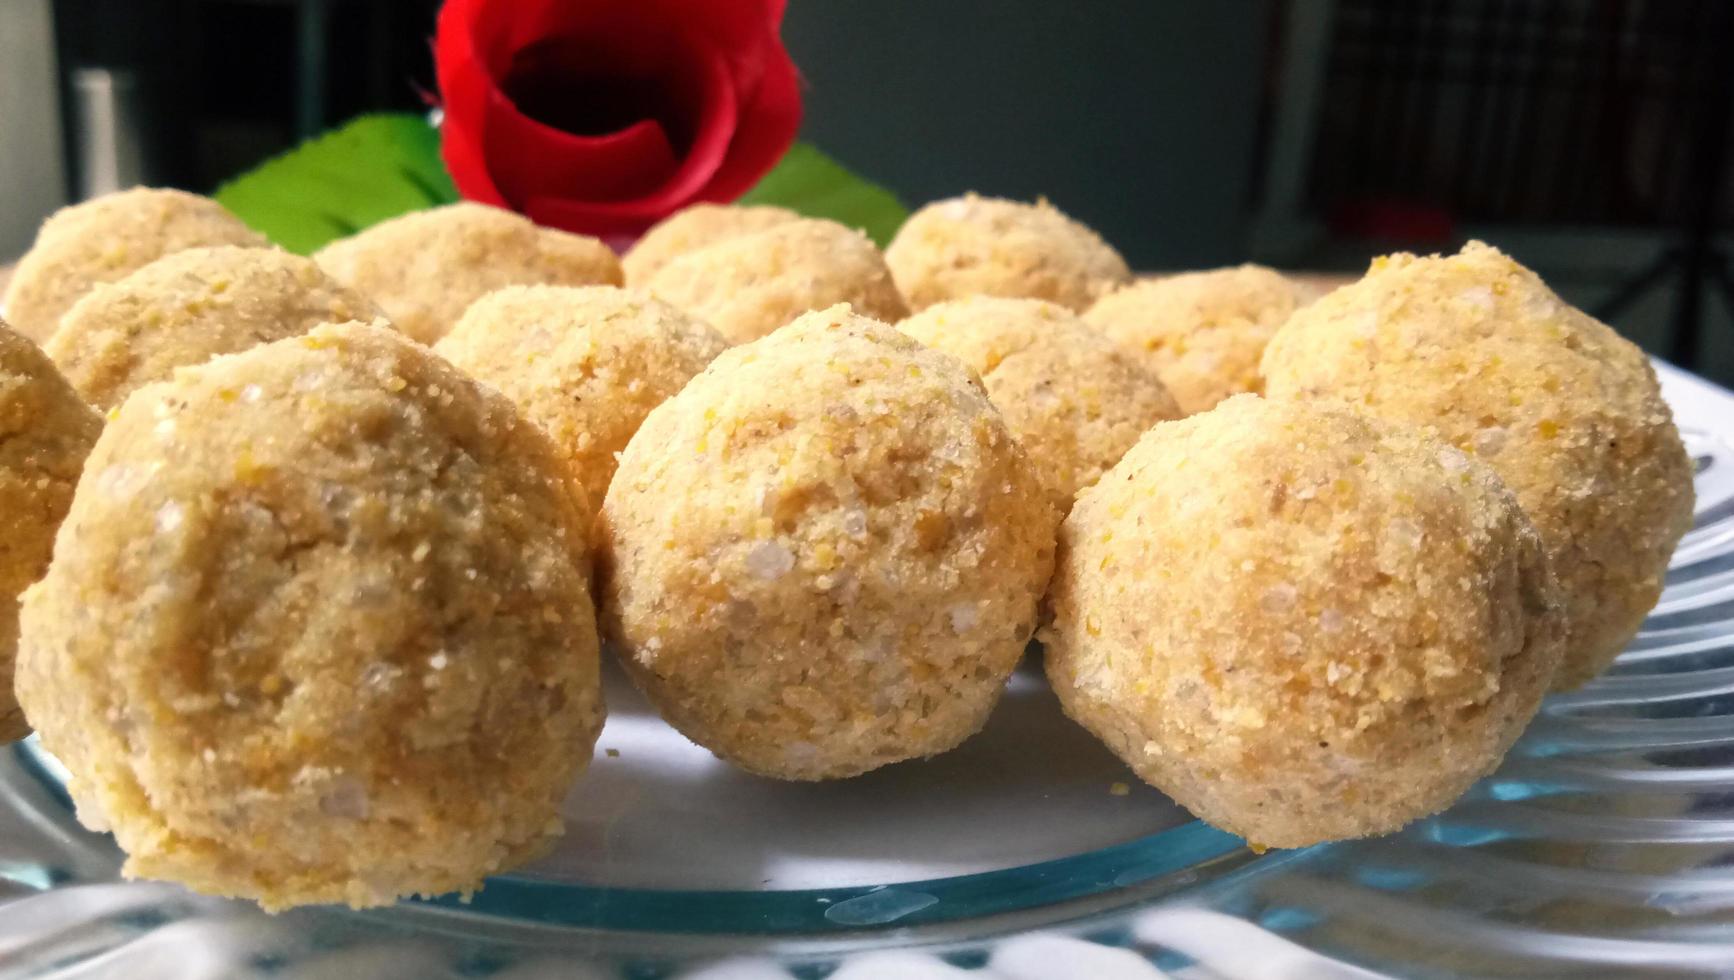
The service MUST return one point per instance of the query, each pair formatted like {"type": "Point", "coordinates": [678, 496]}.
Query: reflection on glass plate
{"type": "Point", "coordinates": [1604, 844]}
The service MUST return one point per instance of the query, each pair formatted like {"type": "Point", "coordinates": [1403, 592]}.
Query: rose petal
{"type": "Point", "coordinates": [733, 94]}
{"type": "Point", "coordinates": [770, 116]}
{"type": "Point", "coordinates": [711, 144]}
{"type": "Point", "coordinates": [468, 167]}
{"type": "Point", "coordinates": [527, 157]}
{"type": "Point", "coordinates": [737, 25]}
{"type": "Point", "coordinates": [767, 87]}
{"type": "Point", "coordinates": [464, 84]}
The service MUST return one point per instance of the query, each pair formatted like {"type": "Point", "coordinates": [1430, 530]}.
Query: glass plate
{"type": "Point", "coordinates": [1606, 841]}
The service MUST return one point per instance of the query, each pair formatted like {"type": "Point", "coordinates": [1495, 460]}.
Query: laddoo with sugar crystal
{"type": "Point", "coordinates": [825, 554]}
{"type": "Point", "coordinates": [986, 246]}
{"type": "Point", "coordinates": [1301, 623]}
{"type": "Point", "coordinates": [1202, 333]}
{"type": "Point", "coordinates": [46, 432]}
{"type": "Point", "coordinates": [1074, 399]}
{"type": "Point", "coordinates": [425, 268]}
{"type": "Point", "coordinates": [586, 363]}
{"type": "Point", "coordinates": [186, 308]}
{"type": "Point", "coordinates": [104, 239]}
{"type": "Point", "coordinates": [318, 627]}
{"type": "Point", "coordinates": [1477, 350]}
{"type": "Point", "coordinates": [694, 227]}
{"type": "Point", "coordinates": [749, 285]}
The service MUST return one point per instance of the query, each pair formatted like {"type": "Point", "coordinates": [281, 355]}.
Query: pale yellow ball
{"type": "Point", "coordinates": [1475, 349]}
{"type": "Point", "coordinates": [1202, 333]}
{"type": "Point", "coordinates": [693, 228]}
{"type": "Point", "coordinates": [586, 363]}
{"type": "Point", "coordinates": [985, 246]}
{"type": "Point", "coordinates": [1301, 623]}
{"type": "Point", "coordinates": [104, 239]}
{"type": "Point", "coordinates": [425, 268]}
{"type": "Point", "coordinates": [825, 554]}
{"type": "Point", "coordinates": [749, 285]}
{"type": "Point", "coordinates": [318, 628]}
{"type": "Point", "coordinates": [186, 308]}
{"type": "Point", "coordinates": [46, 432]}
{"type": "Point", "coordinates": [1074, 399]}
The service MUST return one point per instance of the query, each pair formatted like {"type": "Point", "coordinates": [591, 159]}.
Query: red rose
{"type": "Point", "coordinates": [604, 116]}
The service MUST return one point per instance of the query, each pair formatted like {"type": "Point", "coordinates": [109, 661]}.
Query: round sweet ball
{"type": "Point", "coordinates": [693, 228]}
{"type": "Point", "coordinates": [749, 285]}
{"type": "Point", "coordinates": [586, 363]}
{"type": "Point", "coordinates": [1201, 332]}
{"type": "Point", "coordinates": [1074, 399]}
{"type": "Point", "coordinates": [186, 308]}
{"type": "Point", "coordinates": [825, 554]}
{"type": "Point", "coordinates": [318, 627]}
{"type": "Point", "coordinates": [425, 268]}
{"type": "Point", "coordinates": [1478, 351]}
{"type": "Point", "coordinates": [104, 239]}
{"type": "Point", "coordinates": [1300, 623]}
{"type": "Point", "coordinates": [985, 246]}
{"type": "Point", "coordinates": [46, 432]}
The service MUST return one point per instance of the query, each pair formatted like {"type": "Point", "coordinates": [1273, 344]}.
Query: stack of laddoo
{"type": "Point", "coordinates": [317, 615]}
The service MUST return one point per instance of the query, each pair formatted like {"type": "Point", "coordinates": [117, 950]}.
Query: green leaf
{"type": "Point", "coordinates": [813, 184]}
{"type": "Point", "coordinates": [371, 168]}
{"type": "Point", "coordinates": [379, 166]}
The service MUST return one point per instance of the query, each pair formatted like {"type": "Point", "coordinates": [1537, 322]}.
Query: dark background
{"type": "Point", "coordinates": [1588, 137]}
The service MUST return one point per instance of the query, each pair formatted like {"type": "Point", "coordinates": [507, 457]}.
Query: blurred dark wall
{"type": "Point", "coordinates": [1139, 118]}
{"type": "Point", "coordinates": [223, 84]}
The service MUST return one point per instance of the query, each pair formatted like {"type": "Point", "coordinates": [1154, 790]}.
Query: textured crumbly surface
{"type": "Point", "coordinates": [985, 246]}
{"type": "Point", "coordinates": [1477, 350]}
{"type": "Point", "coordinates": [585, 363]}
{"type": "Point", "coordinates": [693, 228]}
{"type": "Point", "coordinates": [46, 431]}
{"type": "Point", "coordinates": [1074, 399]}
{"type": "Point", "coordinates": [104, 239]}
{"type": "Point", "coordinates": [1301, 623]}
{"type": "Point", "coordinates": [425, 268]}
{"type": "Point", "coordinates": [1201, 332]}
{"type": "Point", "coordinates": [318, 627]}
{"type": "Point", "coordinates": [749, 285]}
{"type": "Point", "coordinates": [186, 308]}
{"type": "Point", "coordinates": [825, 554]}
